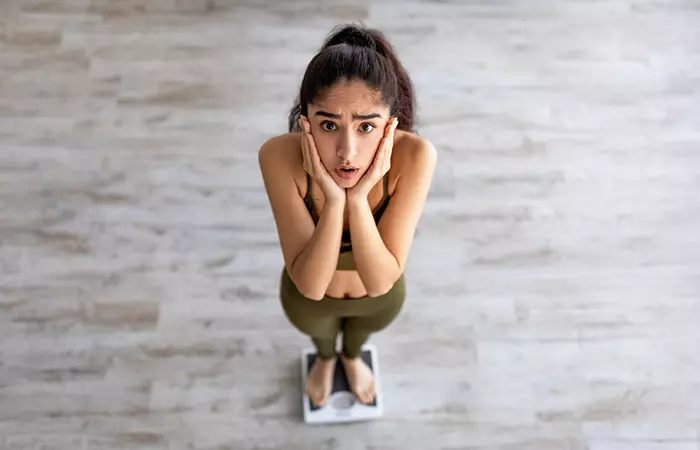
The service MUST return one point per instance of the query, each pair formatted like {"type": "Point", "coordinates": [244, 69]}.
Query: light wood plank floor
{"type": "Point", "coordinates": [554, 284]}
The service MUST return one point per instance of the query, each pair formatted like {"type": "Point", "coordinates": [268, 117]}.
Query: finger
{"type": "Point", "coordinates": [384, 148]}
{"type": "Point", "coordinates": [391, 126]}
{"type": "Point", "coordinates": [312, 160]}
{"type": "Point", "coordinates": [392, 129]}
{"type": "Point", "coordinates": [309, 146]}
{"type": "Point", "coordinates": [378, 160]}
{"type": "Point", "coordinates": [316, 167]}
{"type": "Point", "coordinates": [390, 143]}
{"type": "Point", "coordinates": [315, 158]}
{"type": "Point", "coordinates": [305, 151]}
{"type": "Point", "coordinates": [389, 152]}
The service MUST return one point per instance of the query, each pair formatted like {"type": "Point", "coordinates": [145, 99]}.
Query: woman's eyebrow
{"type": "Point", "coordinates": [354, 116]}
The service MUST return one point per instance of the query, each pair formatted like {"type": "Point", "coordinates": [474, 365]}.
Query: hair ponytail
{"type": "Point", "coordinates": [355, 53]}
{"type": "Point", "coordinates": [405, 101]}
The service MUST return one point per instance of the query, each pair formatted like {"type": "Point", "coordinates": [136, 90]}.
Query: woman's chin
{"type": "Point", "coordinates": [346, 179]}
{"type": "Point", "coordinates": [345, 184]}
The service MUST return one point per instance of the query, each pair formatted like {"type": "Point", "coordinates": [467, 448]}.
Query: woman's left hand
{"type": "Point", "coordinates": [380, 166]}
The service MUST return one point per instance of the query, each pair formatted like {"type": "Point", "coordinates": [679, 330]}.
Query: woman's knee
{"type": "Point", "coordinates": [370, 324]}
{"type": "Point", "coordinates": [319, 328]}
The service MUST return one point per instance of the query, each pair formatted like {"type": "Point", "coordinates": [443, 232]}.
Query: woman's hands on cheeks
{"type": "Point", "coordinates": [318, 172]}
{"type": "Point", "coordinates": [315, 168]}
{"type": "Point", "coordinates": [380, 166]}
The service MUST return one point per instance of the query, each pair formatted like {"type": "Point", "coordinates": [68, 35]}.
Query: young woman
{"type": "Point", "coordinates": [347, 186]}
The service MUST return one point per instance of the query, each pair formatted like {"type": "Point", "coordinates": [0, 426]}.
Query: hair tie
{"type": "Point", "coordinates": [355, 37]}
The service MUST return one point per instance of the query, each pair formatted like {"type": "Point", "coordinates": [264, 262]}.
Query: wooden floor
{"type": "Point", "coordinates": [554, 284]}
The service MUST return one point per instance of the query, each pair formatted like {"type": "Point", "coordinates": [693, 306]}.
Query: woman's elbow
{"type": "Point", "coordinates": [306, 287]}
{"type": "Point", "coordinates": [383, 289]}
{"type": "Point", "coordinates": [379, 291]}
{"type": "Point", "coordinates": [310, 292]}
{"type": "Point", "coordinates": [312, 295]}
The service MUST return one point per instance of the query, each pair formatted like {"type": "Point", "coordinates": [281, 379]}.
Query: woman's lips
{"type": "Point", "coordinates": [346, 173]}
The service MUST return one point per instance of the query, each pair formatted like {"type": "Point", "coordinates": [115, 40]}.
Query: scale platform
{"type": "Point", "coordinates": [342, 405]}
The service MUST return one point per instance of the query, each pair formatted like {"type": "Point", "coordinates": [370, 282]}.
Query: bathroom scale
{"type": "Point", "coordinates": [341, 406]}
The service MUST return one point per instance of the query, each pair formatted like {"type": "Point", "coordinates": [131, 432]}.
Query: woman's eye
{"type": "Point", "coordinates": [367, 127]}
{"type": "Point", "coordinates": [328, 126]}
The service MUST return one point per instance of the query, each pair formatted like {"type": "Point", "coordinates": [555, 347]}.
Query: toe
{"type": "Point", "coordinates": [359, 396]}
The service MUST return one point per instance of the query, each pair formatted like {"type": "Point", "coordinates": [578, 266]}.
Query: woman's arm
{"type": "Point", "coordinates": [314, 267]}
{"type": "Point", "coordinates": [310, 252]}
{"type": "Point", "coordinates": [376, 265]}
{"type": "Point", "coordinates": [381, 250]}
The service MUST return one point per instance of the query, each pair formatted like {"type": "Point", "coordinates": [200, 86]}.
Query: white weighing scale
{"type": "Point", "coordinates": [342, 406]}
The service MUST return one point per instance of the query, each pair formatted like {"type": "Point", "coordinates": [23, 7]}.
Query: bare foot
{"type": "Point", "coordinates": [360, 377]}
{"type": "Point", "coordinates": [320, 380]}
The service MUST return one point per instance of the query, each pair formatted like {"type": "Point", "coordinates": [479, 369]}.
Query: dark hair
{"type": "Point", "coordinates": [356, 53]}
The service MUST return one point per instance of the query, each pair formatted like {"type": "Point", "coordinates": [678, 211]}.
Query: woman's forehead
{"type": "Point", "coordinates": [350, 99]}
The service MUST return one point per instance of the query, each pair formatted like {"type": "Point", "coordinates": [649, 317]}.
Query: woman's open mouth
{"type": "Point", "coordinates": [346, 173]}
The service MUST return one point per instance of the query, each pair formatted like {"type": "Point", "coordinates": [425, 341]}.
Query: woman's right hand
{"type": "Point", "coordinates": [315, 168]}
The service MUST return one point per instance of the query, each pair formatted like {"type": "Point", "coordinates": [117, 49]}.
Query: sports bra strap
{"type": "Point", "coordinates": [386, 186]}
{"type": "Point", "coordinates": [308, 184]}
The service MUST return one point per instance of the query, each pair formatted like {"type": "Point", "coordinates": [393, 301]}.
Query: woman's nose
{"type": "Point", "coordinates": [346, 147]}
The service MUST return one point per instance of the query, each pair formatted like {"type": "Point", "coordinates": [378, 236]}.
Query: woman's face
{"type": "Point", "coordinates": [347, 124]}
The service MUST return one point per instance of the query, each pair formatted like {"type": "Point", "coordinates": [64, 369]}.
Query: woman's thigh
{"type": "Point", "coordinates": [380, 311]}
{"type": "Point", "coordinates": [309, 316]}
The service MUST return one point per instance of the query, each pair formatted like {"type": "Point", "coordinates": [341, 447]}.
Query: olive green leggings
{"type": "Point", "coordinates": [356, 318]}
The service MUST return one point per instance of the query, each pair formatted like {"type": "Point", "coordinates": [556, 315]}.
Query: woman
{"type": "Point", "coordinates": [349, 166]}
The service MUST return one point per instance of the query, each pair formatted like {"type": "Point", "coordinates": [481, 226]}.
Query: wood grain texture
{"type": "Point", "coordinates": [553, 287]}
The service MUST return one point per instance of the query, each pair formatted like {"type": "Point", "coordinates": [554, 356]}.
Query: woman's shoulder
{"type": "Point", "coordinates": [412, 153]}
{"type": "Point", "coordinates": [282, 148]}
{"type": "Point", "coordinates": [280, 158]}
